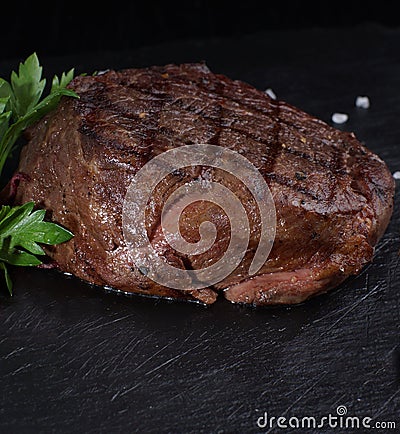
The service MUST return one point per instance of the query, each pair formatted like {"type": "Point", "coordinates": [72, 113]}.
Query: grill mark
{"type": "Point", "coordinates": [218, 125]}
{"type": "Point", "coordinates": [153, 133]}
{"type": "Point", "coordinates": [111, 143]}
{"type": "Point", "coordinates": [335, 153]}
{"type": "Point", "coordinates": [151, 126]}
{"type": "Point", "coordinates": [218, 98]}
{"type": "Point", "coordinates": [208, 85]}
{"type": "Point", "coordinates": [288, 182]}
{"type": "Point", "coordinates": [315, 160]}
{"type": "Point", "coordinates": [279, 179]}
{"type": "Point", "coordinates": [274, 149]}
{"type": "Point", "coordinates": [261, 111]}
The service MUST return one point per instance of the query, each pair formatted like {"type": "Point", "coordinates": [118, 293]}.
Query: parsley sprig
{"type": "Point", "coordinates": [21, 104]}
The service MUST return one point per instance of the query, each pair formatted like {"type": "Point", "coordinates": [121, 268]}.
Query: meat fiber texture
{"type": "Point", "coordinates": [333, 197]}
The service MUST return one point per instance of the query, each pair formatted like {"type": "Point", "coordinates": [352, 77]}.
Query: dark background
{"type": "Point", "coordinates": [61, 27]}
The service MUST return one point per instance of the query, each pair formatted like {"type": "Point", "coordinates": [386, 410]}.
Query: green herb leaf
{"type": "Point", "coordinates": [13, 217]}
{"type": "Point", "coordinates": [27, 86]}
{"type": "Point", "coordinates": [14, 131]}
{"type": "Point", "coordinates": [7, 278]}
{"type": "Point", "coordinates": [4, 122]}
{"type": "Point", "coordinates": [6, 93]}
{"type": "Point", "coordinates": [4, 210]}
{"type": "Point", "coordinates": [3, 103]}
{"type": "Point", "coordinates": [58, 83]}
{"type": "Point", "coordinates": [21, 100]}
{"type": "Point", "coordinates": [23, 230]}
{"type": "Point", "coordinates": [19, 258]}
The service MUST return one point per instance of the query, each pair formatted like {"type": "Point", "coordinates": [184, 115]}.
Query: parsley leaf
{"type": "Point", "coordinates": [6, 94]}
{"type": "Point", "coordinates": [22, 229]}
{"type": "Point", "coordinates": [6, 277]}
{"type": "Point", "coordinates": [21, 100]}
{"type": "Point", "coordinates": [27, 86]}
{"type": "Point", "coordinates": [60, 83]}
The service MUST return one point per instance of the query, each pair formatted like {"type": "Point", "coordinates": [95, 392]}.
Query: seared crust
{"type": "Point", "coordinates": [333, 197]}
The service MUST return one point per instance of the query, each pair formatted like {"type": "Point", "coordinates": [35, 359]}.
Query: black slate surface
{"type": "Point", "coordinates": [76, 359]}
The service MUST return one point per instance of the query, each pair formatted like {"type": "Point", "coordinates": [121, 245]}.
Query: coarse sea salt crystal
{"type": "Point", "coordinates": [362, 102]}
{"type": "Point", "coordinates": [340, 118]}
{"type": "Point", "coordinates": [396, 175]}
{"type": "Point", "coordinates": [270, 93]}
{"type": "Point", "coordinates": [104, 71]}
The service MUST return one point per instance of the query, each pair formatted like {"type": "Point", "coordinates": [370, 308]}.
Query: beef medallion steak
{"type": "Point", "coordinates": [333, 196]}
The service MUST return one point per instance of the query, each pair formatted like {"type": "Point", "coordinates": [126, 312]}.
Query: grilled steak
{"type": "Point", "coordinates": [333, 196]}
